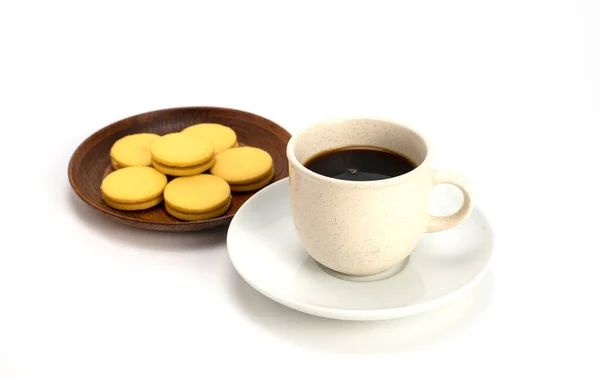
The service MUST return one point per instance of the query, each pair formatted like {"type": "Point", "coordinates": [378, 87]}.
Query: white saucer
{"type": "Point", "coordinates": [265, 251]}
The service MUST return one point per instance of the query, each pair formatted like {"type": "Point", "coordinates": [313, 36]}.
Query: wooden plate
{"type": "Point", "coordinates": [90, 163]}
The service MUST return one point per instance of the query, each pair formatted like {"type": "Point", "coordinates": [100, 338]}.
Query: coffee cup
{"type": "Point", "coordinates": [360, 191]}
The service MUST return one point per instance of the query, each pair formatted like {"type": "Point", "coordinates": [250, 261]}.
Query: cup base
{"type": "Point", "coordinates": [392, 271]}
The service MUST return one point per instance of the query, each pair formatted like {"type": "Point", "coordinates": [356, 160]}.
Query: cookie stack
{"type": "Point", "coordinates": [132, 150]}
{"type": "Point", "coordinates": [244, 168]}
{"type": "Point", "coordinates": [198, 197]}
{"type": "Point", "coordinates": [177, 154]}
{"type": "Point", "coordinates": [133, 188]}
{"type": "Point", "coordinates": [222, 137]}
{"type": "Point", "coordinates": [194, 171]}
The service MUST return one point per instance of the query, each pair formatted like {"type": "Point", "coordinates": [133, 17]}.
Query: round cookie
{"type": "Point", "coordinates": [181, 150]}
{"type": "Point", "coordinates": [197, 194]}
{"type": "Point", "coordinates": [242, 165]}
{"type": "Point", "coordinates": [199, 216]}
{"type": "Point", "coordinates": [133, 150]}
{"type": "Point", "coordinates": [255, 185]}
{"type": "Point", "coordinates": [133, 207]}
{"type": "Point", "coordinates": [183, 171]}
{"type": "Point", "coordinates": [133, 185]}
{"type": "Point", "coordinates": [221, 136]}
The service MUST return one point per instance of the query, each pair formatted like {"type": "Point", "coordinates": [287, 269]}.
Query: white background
{"type": "Point", "coordinates": [507, 91]}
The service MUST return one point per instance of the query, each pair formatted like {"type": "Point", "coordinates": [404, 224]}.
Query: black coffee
{"type": "Point", "coordinates": [360, 163]}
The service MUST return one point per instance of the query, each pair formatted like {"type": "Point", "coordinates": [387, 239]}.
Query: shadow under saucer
{"type": "Point", "coordinates": [390, 336]}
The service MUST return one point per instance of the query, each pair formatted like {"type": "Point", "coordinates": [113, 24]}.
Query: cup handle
{"type": "Point", "coordinates": [439, 223]}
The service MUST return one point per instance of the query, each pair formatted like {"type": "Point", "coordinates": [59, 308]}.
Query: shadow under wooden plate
{"type": "Point", "coordinates": [90, 162]}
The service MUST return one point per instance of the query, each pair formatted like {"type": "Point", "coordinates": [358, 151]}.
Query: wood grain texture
{"type": "Point", "coordinates": [90, 162]}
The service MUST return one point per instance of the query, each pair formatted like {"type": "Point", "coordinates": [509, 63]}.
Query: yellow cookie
{"type": "Point", "coordinates": [184, 171]}
{"type": "Point", "coordinates": [133, 150]}
{"type": "Point", "coordinates": [221, 136]}
{"type": "Point", "coordinates": [199, 216]}
{"type": "Point", "coordinates": [242, 165]}
{"type": "Point", "coordinates": [197, 194]}
{"type": "Point", "coordinates": [134, 206]}
{"type": "Point", "coordinates": [181, 150]}
{"type": "Point", "coordinates": [255, 185]}
{"type": "Point", "coordinates": [133, 185]}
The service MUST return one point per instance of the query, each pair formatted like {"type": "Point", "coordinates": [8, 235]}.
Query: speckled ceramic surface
{"type": "Point", "coordinates": [267, 253]}
{"type": "Point", "coordinates": [364, 228]}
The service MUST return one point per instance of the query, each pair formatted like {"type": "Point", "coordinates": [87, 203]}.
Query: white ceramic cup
{"type": "Point", "coordinates": [361, 228]}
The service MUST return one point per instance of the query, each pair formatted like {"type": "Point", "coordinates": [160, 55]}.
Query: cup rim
{"type": "Point", "coordinates": [298, 166]}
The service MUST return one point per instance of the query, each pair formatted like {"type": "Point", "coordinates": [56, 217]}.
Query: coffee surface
{"type": "Point", "coordinates": [360, 163]}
